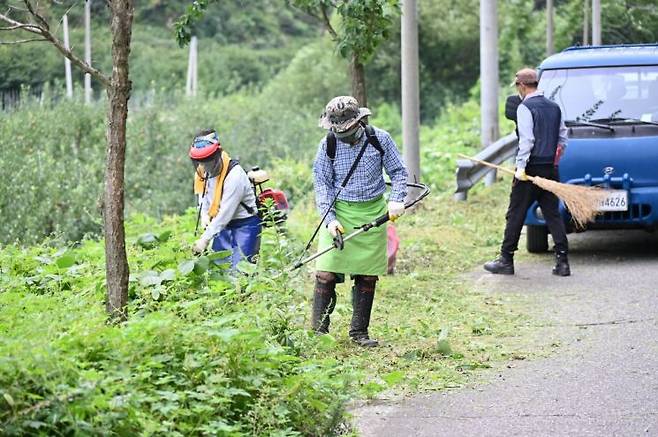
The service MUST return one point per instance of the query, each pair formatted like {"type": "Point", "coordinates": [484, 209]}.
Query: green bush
{"type": "Point", "coordinates": [201, 354]}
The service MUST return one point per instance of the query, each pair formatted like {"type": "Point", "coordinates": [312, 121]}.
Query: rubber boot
{"type": "Point", "coordinates": [363, 294]}
{"type": "Point", "coordinates": [324, 301]}
{"type": "Point", "coordinates": [503, 265]}
{"type": "Point", "coordinates": [561, 264]}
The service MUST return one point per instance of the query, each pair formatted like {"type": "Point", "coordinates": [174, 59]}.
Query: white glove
{"type": "Point", "coordinates": [205, 220]}
{"type": "Point", "coordinates": [395, 210]}
{"type": "Point", "coordinates": [334, 227]}
{"type": "Point", "coordinates": [520, 174]}
{"type": "Point", "coordinates": [200, 246]}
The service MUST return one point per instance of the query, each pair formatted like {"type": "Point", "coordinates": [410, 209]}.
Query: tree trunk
{"type": "Point", "coordinates": [358, 75]}
{"type": "Point", "coordinates": [116, 262]}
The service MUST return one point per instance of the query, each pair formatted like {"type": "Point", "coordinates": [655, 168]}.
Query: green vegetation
{"type": "Point", "coordinates": [244, 44]}
{"type": "Point", "coordinates": [206, 353]}
{"type": "Point", "coordinates": [203, 353]}
{"type": "Point", "coordinates": [54, 152]}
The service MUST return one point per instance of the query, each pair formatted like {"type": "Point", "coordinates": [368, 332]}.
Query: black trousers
{"type": "Point", "coordinates": [523, 194]}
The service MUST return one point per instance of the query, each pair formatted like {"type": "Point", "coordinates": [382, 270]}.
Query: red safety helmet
{"type": "Point", "coordinates": [204, 145]}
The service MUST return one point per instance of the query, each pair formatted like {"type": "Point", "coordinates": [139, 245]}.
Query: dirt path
{"type": "Point", "coordinates": [602, 381]}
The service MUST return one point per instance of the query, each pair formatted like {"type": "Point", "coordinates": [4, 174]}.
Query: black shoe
{"type": "Point", "coordinates": [561, 265]}
{"type": "Point", "coordinates": [365, 341]}
{"type": "Point", "coordinates": [501, 266]}
{"type": "Point", "coordinates": [363, 294]}
{"type": "Point", "coordinates": [324, 302]}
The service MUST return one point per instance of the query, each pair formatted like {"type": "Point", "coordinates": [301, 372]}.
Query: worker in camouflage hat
{"type": "Point", "coordinates": [360, 201]}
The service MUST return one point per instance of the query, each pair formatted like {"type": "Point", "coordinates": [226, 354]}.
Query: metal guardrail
{"type": "Point", "coordinates": [470, 173]}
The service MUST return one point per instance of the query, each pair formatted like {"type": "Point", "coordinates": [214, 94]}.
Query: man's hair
{"type": "Point", "coordinates": [204, 132]}
{"type": "Point", "coordinates": [528, 77]}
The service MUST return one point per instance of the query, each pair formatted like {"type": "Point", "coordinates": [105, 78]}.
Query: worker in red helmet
{"type": "Point", "coordinates": [229, 214]}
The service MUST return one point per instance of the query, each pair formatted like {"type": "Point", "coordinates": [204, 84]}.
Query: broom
{"type": "Point", "coordinates": [581, 201]}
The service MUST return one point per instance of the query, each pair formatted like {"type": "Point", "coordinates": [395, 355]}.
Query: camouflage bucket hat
{"type": "Point", "coordinates": [342, 113]}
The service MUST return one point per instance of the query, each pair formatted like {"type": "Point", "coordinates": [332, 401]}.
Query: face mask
{"type": "Point", "coordinates": [209, 167]}
{"type": "Point", "coordinates": [351, 136]}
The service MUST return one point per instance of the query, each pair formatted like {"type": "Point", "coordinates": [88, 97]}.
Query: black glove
{"type": "Point", "coordinates": [338, 241]}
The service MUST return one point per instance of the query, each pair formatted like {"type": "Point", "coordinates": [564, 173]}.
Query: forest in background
{"type": "Point", "coordinates": [265, 72]}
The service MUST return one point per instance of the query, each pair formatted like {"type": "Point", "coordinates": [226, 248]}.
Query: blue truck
{"type": "Point", "coordinates": [609, 101]}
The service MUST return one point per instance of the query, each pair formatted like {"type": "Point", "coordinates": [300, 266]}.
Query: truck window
{"type": "Point", "coordinates": [603, 93]}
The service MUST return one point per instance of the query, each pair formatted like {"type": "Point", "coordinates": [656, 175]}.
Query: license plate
{"type": "Point", "coordinates": [615, 200]}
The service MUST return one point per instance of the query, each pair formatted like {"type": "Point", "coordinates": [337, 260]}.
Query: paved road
{"type": "Point", "coordinates": [603, 380]}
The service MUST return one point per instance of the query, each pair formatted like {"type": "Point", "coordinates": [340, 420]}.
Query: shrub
{"type": "Point", "coordinates": [201, 354]}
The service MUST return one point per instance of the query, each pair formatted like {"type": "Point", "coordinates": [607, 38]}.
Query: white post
{"type": "Point", "coordinates": [489, 77]}
{"type": "Point", "coordinates": [550, 27]}
{"type": "Point", "coordinates": [195, 66]}
{"type": "Point", "coordinates": [191, 84]}
{"type": "Point", "coordinates": [67, 61]}
{"type": "Point", "coordinates": [88, 50]}
{"type": "Point", "coordinates": [596, 22]}
{"type": "Point", "coordinates": [586, 22]}
{"type": "Point", "coordinates": [410, 91]}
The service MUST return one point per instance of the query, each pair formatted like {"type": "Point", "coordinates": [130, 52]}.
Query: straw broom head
{"type": "Point", "coordinates": [581, 201]}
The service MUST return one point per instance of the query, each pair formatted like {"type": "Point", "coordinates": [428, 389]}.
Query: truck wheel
{"type": "Point", "coordinates": [537, 238]}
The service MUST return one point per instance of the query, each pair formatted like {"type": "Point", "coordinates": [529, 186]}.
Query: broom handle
{"type": "Point", "coordinates": [488, 164]}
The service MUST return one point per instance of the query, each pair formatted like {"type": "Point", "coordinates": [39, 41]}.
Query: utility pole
{"type": "Point", "coordinates": [550, 27]}
{"type": "Point", "coordinates": [410, 90]}
{"type": "Point", "coordinates": [67, 61]}
{"type": "Point", "coordinates": [596, 22]}
{"type": "Point", "coordinates": [88, 50]}
{"type": "Point", "coordinates": [489, 77]}
{"type": "Point", "coordinates": [586, 22]}
{"type": "Point", "coordinates": [191, 84]}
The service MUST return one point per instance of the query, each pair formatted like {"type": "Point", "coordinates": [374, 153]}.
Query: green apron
{"type": "Point", "coordinates": [364, 254]}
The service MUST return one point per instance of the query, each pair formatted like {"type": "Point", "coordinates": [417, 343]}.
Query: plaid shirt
{"type": "Point", "coordinates": [367, 182]}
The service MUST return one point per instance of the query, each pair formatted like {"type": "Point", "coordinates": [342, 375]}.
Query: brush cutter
{"type": "Point", "coordinates": [339, 240]}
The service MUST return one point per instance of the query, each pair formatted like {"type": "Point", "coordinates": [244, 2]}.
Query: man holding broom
{"type": "Point", "coordinates": [542, 140]}
{"type": "Point", "coordinates": [350, 140]}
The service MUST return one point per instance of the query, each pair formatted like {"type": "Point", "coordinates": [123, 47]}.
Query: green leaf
{"type": "Point", "coordinates": [9, 399]}
{"type": "Point", "coordinates": [371, 389]}
{"type": "Point", "coordinates": [44, 259]}
{"type": "Point", "coordinates": [326, 341]}
{"type": "Point", "coordinates": [247, 267]}
{"type": "Point", "coordinates": [168, 275]}
{"type": "Point", "coordinates": [201, 265]}
{"type": "Point", "coordinates": [65, 261]}
{"type": "Point", "coordinates": [35, 424]}
{"type": "Point", "coordinates": [155, 293]}
{"type": "Point", "coordinates": [220, 254]}
{"type": "Point", "coordinates": [443, 347]}
{"type": "Point", "coordinates": [150, 277]}
{"type": "Point", "coordinates": [394, 377]}
{"type": "Point", "coordinates": [225, 334]}
{"type": "Point", "coordinates": [147, 241]}
{"type": "Point", "coordinates": [164, 236]}
{"type": "Point", "coordinates": [186, 267]}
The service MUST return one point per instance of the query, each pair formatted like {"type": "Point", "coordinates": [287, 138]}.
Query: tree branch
{"type": "Point", "coordinates": [17, 26]}
{"type": "Point", "coordinates": [21, 41]}
{"type": "Point", "coordinates": [42, 21]}
{"type": "Point", "coordinates": [45, 33]}
{"type": "Point", "coordinates": [327, 23]}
